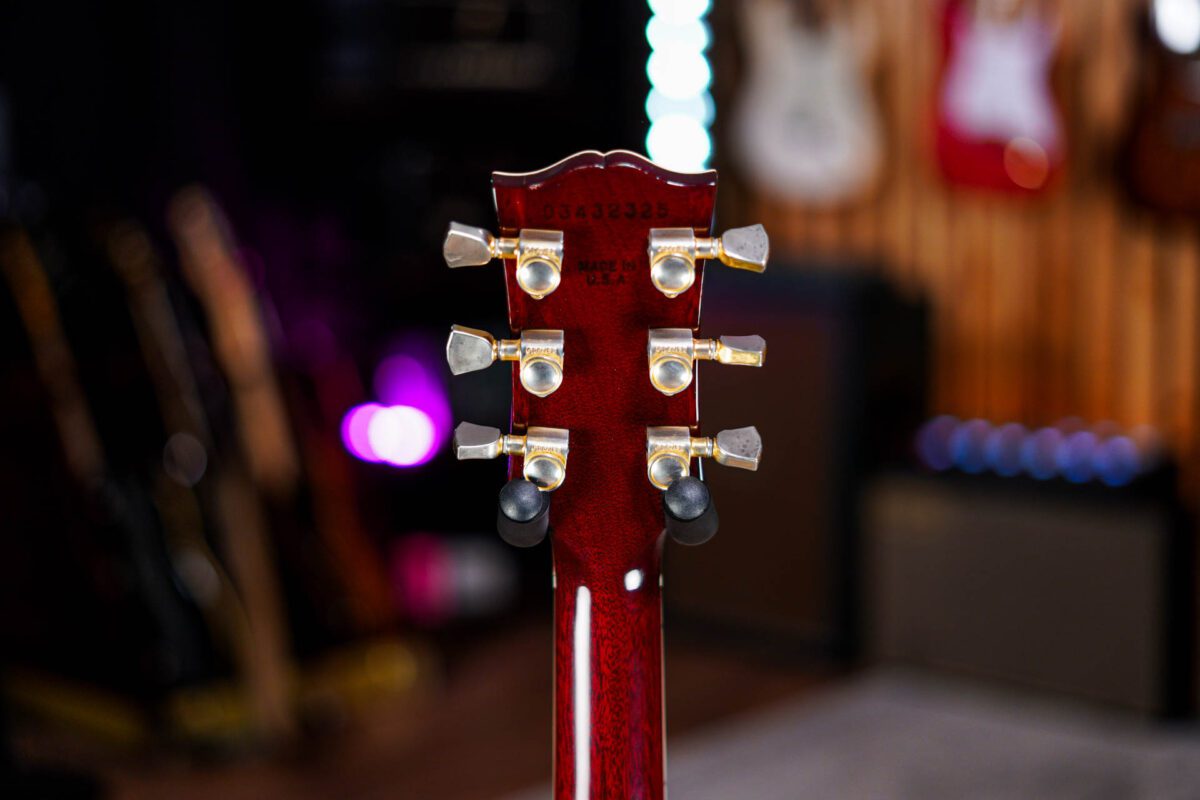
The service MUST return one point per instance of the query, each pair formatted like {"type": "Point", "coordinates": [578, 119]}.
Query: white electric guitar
{"type": "Point", "coordinates": [805, 126]}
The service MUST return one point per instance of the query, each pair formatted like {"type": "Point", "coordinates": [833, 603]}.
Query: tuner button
{"type": "Point", "coordinates": [469, 349]}
{"type": "Point", "coordinates": [671, 374]}
{"type": "Point", "coordinates": [523, 517]}
{"type": "Point", "coordinates": [544, 450]}
{"type": "Point", "coordinates": [673, 253]}
{"type": "Point", "coordinates": [669, 453]}
{"type": "Point", "coordinates": [745, 248]}
{"type": "Point", "coordinates": [667, 468]}
{"type": "Point", "coordinates": [540, 376]}
{"type": "Point", "coordinates": [747, 351]}
{"type": "Point", "coordinates": [691, 518]}
{"type": "Point", "coordinates": [671, 448]}
{"type": "Point", "coordinates": [546, 471]}
{"type": "Point", "coordinates": [540, 353]}
{"type": "Point", "coordinates": [738, 447]}
{"type": "Point", "coordinates": [467, 246]}
{"type": "Point", "coordinates": [672, 353]}
{"type": "Point", "coordinates": [538, 254]}
{"type": "Point", "coordinates": [477, 441]}
{"type": "Point", "coordinates": [673, 274]}
{"type": "Point", "coordinates": [537, 277]}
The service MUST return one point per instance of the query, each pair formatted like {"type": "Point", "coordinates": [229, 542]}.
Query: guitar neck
{"type": "Point", "coordinates": [608, 649]}
{"type": "Point", "coordinates": [608, 679]}
{"type": "Point", "coordinates": [603, 269]}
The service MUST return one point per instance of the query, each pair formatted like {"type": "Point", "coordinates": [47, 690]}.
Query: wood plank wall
{"type": "Point", "coordinates": [1073, 304]}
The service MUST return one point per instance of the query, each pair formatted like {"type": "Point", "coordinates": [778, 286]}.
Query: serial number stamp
{"type": "Point", "coordinates": [642, 210]}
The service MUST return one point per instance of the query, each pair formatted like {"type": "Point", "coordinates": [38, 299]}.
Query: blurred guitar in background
{"type": "Point", "coordinates": [335, 591]}
{"type": "Point", "coordinates": [998, 125]}
{"type": "Point", "coordinates": [206, 492]}
{"type": "Point", "coordinates": [152, 632]}
{"type": "Point", "coordinates": [1162, 160]}
{"type": "Point", "coordinates": [205, 601]}
{"type": "Point", "coordinates": [805, 126]}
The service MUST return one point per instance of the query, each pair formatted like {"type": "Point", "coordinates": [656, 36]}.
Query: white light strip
{"type": "Point", "coordinates": [679, 106]}
{"type": "Point", "coordinates": [581, 693]}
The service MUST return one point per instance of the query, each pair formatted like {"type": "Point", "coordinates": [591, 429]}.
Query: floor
{"type": "Point", "coordinates": [898, 735]}
{"type": "Point", "coordinates": [484, 733]}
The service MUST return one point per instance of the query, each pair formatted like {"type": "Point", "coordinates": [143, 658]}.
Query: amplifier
{"type": "Point", "coordinates": [841, 391]}
{"type": "Point", "coordinates": [1083, 590]}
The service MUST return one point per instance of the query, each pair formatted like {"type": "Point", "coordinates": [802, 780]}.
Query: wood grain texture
{"type": "Point", "coordinates": [606, 519]}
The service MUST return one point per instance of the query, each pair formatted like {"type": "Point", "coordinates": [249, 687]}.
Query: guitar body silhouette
{"type": "Point", "coordinates": [805, 127]}
{"type": "Point", "coordinates": [998, 126]}
{"type": "Point", "coordinates": [1162, 159]}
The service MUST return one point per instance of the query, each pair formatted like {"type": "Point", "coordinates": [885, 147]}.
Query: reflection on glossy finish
{"type": "Point", "coordinates": [633, 580]}
{"type": "Point", "coordinates": [581, 691]}
{"type": "Point", "coordinates": [608, 709]}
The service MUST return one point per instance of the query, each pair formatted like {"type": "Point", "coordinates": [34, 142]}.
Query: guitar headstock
{"type": "Point", "coordinates": [603, 256]}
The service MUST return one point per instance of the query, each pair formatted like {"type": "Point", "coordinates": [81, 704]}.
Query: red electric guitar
{"type": "Point", "coordinates": [603, 266]}
{"type": "Point", "coordinates": [998, 122]}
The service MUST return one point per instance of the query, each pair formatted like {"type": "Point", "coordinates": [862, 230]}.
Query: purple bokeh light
{"type": "Point", "coordinates": [355, 431]}
{"type": "Point", "coordinates": [933, 442]}
{"type": "Point", "coordinates": [402, 436]}
{"type": "Point", "coordinates": [403, 380]}
{"type": "Point", "coordinates": [410, 423]}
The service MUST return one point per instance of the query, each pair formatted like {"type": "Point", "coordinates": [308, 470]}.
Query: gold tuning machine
{"type": "Point", "coordinates": [673, 253]}
{"type": "Point", "coordinates": [672, 352]}
{"type": "Point", "coordinates": [538, 253]}
{"type": "Point", "coordinates": [543, 449]}
{"type": "Point", "coordinates": [671, 448]}
{"type": "Point", "coordinates": [539, 352]}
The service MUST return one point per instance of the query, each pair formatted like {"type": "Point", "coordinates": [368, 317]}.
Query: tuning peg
{"type": "Point", "coordinates": [523, 513]}
{"type": "Point", "coordinates": [673, 351]}
{"type": "Point", "coordinates": [688, 511]}
{"type": "Point", "coordinates": [538, 253]}
{"type": "Point", "coordinates": [671, 448]}
{"type": "Point", "coordinates": [673, 253]}
{"type": "Point", "coordinates": [543, 449]}
{"type": "Point", "coordinates": [539, 352]}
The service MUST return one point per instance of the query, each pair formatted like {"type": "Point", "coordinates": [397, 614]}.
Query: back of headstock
{"type": "Point", "coordinates": [603, 260]}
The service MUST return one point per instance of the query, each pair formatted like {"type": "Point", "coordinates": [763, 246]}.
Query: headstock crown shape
{"type": "Point", "coordinates": [603, 257]}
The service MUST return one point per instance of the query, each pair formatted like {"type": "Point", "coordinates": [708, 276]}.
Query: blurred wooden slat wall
{"type": "Point", "coordinates": [1071, 304]}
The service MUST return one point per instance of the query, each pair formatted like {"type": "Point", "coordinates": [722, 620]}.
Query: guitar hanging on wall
{"type": "Point", "coordinates": [998, 124]}
{"type": "Point", "coordinates": [603, 262]}
{"type": "Point", "coordinates": [1161, 164]}
{"type": "Point", "coordinates": [805, 126]}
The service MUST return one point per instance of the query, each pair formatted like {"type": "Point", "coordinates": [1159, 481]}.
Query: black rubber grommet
{"type": "Point", "coordinates": [691, 518]}
{"type": "Point", "coordinates": [523, 518]}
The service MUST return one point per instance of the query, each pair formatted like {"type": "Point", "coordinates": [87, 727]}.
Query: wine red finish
{"type": "Point", "coordinates": [606, 519]}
